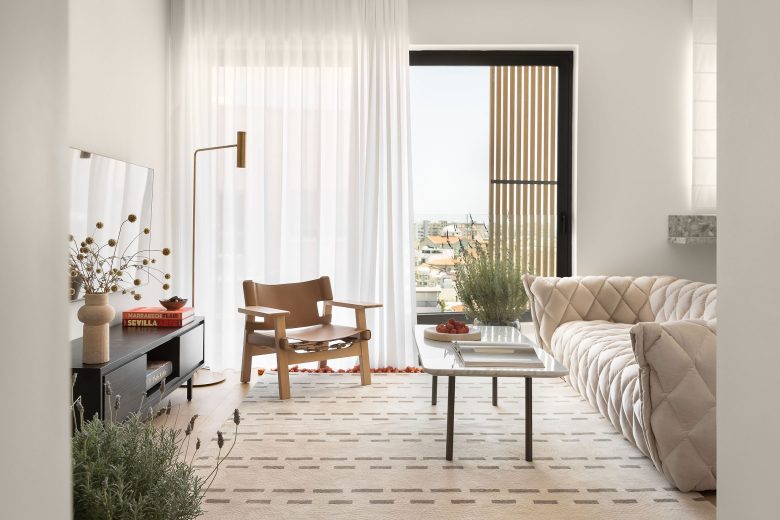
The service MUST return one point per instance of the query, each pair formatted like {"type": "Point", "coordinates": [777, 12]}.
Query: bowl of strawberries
{"type": "Point", "coordinates": [452, 330]}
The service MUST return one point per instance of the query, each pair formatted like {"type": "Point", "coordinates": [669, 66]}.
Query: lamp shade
{"type": "Point", "coordinates": [241, 149]}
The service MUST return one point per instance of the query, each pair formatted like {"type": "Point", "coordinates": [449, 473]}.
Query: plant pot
{"type": "Point", "coordinates": [96, 315]}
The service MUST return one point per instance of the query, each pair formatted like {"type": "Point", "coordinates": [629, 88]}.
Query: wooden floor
{"type": "Point", "coordinates": [214, 404]}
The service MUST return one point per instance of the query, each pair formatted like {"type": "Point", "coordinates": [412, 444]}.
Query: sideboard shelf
{"type": "Point", "coordinates": [129, 351]}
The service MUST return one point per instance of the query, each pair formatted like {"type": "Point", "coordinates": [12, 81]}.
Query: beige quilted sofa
{"type": "Point", "coordinates": [641, 351]}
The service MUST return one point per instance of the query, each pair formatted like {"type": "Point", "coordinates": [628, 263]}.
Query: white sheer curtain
{"type": "Point", "coordinates": [321, 88]}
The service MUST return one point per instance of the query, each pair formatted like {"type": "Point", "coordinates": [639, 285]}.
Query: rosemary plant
{"type": "Point", "coordinates": [490, 285]}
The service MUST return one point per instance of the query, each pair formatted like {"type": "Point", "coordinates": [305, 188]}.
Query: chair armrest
{"type": "Point", "coordinates": [354, 305]}
{"type": "Point", "coordinates": [263, 312]}
{"type": "Point", "coordinates": [677, 373]}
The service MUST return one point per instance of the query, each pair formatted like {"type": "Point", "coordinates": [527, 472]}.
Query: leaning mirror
{"type": "Point", "coordinates": [105, 190]}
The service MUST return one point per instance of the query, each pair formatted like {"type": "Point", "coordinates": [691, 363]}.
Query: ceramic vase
{"type": "Point", "coordinates": [96, 315]}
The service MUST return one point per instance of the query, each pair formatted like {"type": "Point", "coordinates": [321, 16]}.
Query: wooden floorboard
{"type": "Point", "coordinates": [213, 404]}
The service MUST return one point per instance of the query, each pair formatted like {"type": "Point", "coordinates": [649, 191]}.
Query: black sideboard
{"type": "Point", "coordinates": [130, 349]}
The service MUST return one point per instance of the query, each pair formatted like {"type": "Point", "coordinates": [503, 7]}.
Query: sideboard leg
{"type": "Point", "coordinates": [189, 389]}
{"type": "Point", "coordinates": [495, 391]}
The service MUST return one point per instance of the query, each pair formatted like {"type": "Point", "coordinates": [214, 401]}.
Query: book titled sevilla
{"type": "Point", "coordinates": [157, 317]}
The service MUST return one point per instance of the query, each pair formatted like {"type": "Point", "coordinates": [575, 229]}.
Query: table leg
{"type": "Point", "coordinates": [529, 454]}
{"type": "Point", "coordinates": [450, 415]}
{"type": "Point", "coordinates": [495, 391]}
{"type": "Point", "coordinates": [189, 389]}
{"type": "Point", "coordinates": [434, 389]}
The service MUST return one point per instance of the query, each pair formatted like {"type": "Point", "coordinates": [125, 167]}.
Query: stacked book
{"type": "Point", "coordinates": [157, 317]}
{"type": "Point", "coordinates": [487, 354]}
{"type": "Point", "coordinates": [156, 371]}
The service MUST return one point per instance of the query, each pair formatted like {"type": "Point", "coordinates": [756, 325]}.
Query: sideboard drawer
{"type": "Point", "coordinates": [128, 381]}
{"type": "Point", "coordinates": [191, 350]}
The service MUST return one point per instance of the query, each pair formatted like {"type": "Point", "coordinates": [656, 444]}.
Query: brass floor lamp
{"type": "Point", "coordinates": [205, 376]}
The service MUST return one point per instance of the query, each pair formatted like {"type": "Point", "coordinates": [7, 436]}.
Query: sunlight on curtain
{"type": "Point", "coordinates": [320, 86]}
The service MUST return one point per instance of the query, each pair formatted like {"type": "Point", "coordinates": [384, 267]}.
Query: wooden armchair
{"type": "Point", "coordinates": [294, 330]}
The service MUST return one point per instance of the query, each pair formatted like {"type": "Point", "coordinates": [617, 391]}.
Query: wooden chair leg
{"type": "Point", "coordinates": [365, 364]}
{"type": "Point", "coordinates": [283, 373]}
{"type": "Point", "coordinates": [246, 364]}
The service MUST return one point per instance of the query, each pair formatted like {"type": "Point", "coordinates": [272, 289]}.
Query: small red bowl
{"type": "Point", "coordinates": [173, 306]}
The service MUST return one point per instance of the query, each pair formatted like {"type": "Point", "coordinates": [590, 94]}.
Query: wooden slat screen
{"type": "Point", "coordinates": [523, 166]}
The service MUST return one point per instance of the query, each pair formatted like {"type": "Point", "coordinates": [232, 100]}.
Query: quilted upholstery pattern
{"type": "Point", "coordinates": [603, 369]}
{"type": "Point", "coordinates": [677, 375]}
{"type": "Point", "coordinates": [554, 301]}
{"type": "Point", "coordinates": [652, 377]}
{"type": "Point", "coordinates": [672, 299]}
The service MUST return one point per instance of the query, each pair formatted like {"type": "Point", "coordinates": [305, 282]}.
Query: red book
{"type": "Point", "coordinates": [156, 322]}
{"type": "Point", "coordinates": [157, 313]}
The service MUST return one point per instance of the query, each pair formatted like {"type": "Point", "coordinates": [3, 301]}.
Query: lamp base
{"type": "Point", "coordinates": [207, 377]}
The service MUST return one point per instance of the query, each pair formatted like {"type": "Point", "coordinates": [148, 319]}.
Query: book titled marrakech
{"type": "Point", "coordinates": [157, 317]}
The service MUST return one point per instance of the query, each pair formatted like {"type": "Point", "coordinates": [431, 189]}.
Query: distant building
{"type": "Point", "coordinates": [438, 244]}
{"type": "Point", "coordinates": [441, 245]}
{"type": "Point", "coordinates": [430, 227]}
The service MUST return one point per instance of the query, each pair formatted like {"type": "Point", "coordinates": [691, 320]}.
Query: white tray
{"type": "Point", "coordinates": [472, 335]}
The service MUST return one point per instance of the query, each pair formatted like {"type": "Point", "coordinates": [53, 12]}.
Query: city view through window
{"type": "Point", "coordinates": [485, 152]}
{"type": "Point", "coordinates": [450, 129]}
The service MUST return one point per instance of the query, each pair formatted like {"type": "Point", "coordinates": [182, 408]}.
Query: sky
{"type": "Point", "coordinates": [450, 135]}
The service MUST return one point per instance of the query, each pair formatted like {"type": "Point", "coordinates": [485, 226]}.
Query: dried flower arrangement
{"type": "Point", "coordinates": [135, 469]}
{"type": "Point", "coordinates": [101, 268]}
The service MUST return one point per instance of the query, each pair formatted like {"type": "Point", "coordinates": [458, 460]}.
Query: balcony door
{"type": "Point", "coordinates": [499, 124]}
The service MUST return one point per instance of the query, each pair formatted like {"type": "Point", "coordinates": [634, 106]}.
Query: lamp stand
{"type": "Point", "coordinates": [205, 376]}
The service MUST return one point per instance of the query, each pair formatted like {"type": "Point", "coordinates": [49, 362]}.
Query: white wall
{"type": "Point", "coordinates": [748, 256]}
{"type": "Point", "coordinates": [35, 433]}
{"type": "Point", "coordinates": [117, 78]}
{"type": "Point", "coordinates": [633, 132]}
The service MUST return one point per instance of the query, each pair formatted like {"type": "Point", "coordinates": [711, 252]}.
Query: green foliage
{"type": "Point", "coordinates": [132, 470]}
{"type": "Point", "coordinates": [490, 286]}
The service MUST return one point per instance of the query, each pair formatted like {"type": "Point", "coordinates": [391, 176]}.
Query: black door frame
{"type": "Point", "coordinates": [564, 60]}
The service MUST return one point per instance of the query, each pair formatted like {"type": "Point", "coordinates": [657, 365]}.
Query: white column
{"type": "Point", "coordinates": [748, 256]}
{"type": "Point", "coordinates": [35, 355]}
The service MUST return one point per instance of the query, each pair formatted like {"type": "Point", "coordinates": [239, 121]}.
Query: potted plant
{"type": "Point", "coordinates": [101, 268]}
{"type": "Point", "coordinates": [489, 284]}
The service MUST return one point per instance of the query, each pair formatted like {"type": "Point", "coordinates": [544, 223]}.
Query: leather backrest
{"type": "Point", "coordinates": [300, 298]}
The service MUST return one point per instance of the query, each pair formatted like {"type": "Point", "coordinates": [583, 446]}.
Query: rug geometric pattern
{"type": "Point", "coordinates": [340, 450]}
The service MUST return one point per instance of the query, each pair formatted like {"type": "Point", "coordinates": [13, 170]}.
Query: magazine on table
{"type": "Point", "coordinates": [496, 354]}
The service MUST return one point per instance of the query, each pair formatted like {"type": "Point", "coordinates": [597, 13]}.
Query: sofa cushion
{"type": "Point", "coordinates": [603, 369]}
{"type": "Point", "coordinates": [673, 299]}
{"type": "Point", "coordinates": [554, 301]}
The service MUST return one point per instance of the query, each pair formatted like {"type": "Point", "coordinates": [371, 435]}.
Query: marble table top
{"type": "Point", "coordinates": [438, 358]}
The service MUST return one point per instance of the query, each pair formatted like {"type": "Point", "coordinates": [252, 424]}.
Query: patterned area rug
{"type": "Point", "coordinates": [339, 450]}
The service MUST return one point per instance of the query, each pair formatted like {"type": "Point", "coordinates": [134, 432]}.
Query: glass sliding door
{"type": "Point", "coordinates": [492, 162]}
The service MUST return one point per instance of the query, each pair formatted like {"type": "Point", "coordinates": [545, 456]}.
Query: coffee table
{"type": "Point", "coordinates": [438, 358]}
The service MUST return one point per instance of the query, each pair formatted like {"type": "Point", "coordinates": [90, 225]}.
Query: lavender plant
{"type": "Point", "coordinates": [136, 470]}
{"type": "Point", "coordinates": [102, 268]}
